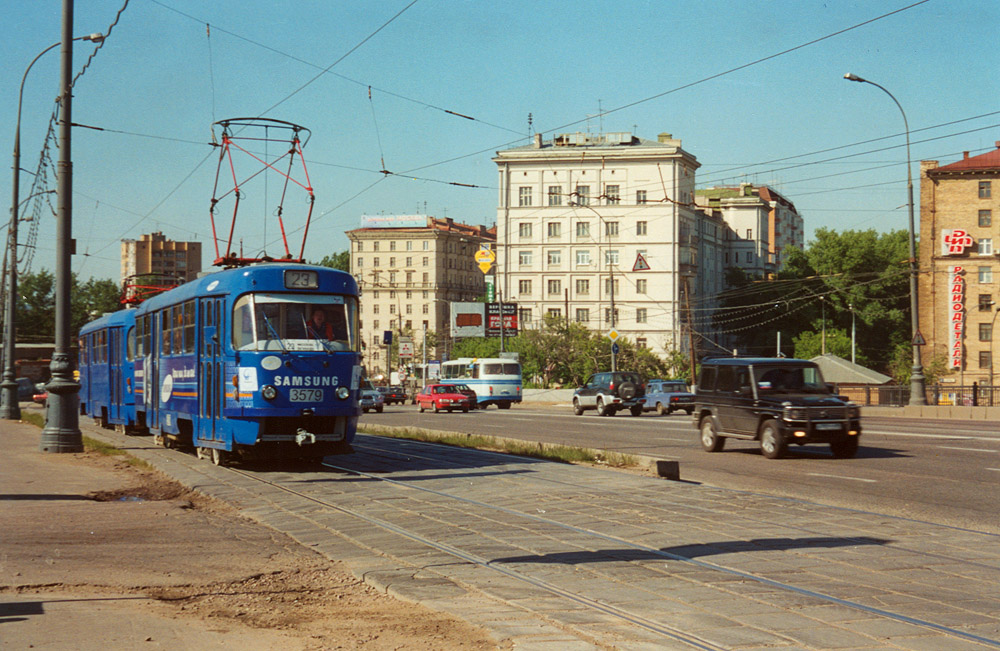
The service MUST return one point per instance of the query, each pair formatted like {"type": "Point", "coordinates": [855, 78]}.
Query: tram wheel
{"type": "Point", "coordinates": [220, 457]}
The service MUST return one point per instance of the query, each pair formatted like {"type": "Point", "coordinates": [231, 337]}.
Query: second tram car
{"type": "Point", "coordinates": [107, 364]}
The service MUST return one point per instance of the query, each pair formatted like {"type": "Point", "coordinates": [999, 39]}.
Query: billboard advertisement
{"type": "Point", "coordinates": [393, 221]}
{"type": "Point", "coordinates": [468, 320]}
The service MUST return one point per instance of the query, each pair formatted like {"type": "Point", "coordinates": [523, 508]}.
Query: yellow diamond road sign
{"type": "Point", "coordinates": [485, 266]}
{"type": "Point", "coordinates": [613, 334]}
{"type": "Point", "coordinates": [485, 254]}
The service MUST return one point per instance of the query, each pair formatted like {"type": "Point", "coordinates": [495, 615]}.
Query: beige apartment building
{"type": "Point", "coordinates": [959, 283]}
{"type": "Point", "coordinates": [409, 269]}
{"type": "Point", "coordinates": [153, 254]}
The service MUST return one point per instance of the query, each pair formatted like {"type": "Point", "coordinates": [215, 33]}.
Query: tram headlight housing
{"type": "Point", "coordinates": [343, 393]}
{"type": "Point", "coordinates": [268, 392]}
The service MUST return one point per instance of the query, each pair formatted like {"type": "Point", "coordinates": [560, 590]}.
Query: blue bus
{"type": "Point", "coordinates": [495, 380]}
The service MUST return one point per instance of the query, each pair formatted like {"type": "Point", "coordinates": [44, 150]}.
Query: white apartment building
{"type": "Point", "coordinates": [760, 222]}
{"type": "Point", "coordinates": [409, 269]}
{"type": "Point", "coordinates": [579, 212]}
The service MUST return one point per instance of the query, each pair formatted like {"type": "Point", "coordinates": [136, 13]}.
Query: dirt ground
{"type": "Point", "coordinates": [95, 553]}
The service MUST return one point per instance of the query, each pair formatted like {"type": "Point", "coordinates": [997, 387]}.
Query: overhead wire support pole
{"type": "Point", "coordinates": [62, 426]}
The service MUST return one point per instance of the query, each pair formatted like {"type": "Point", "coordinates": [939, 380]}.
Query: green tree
{"type": "Point", "coordinates": [340, 261]}
{"type": "Point", "coordinates": [36, 309]}
{"type": "Point", "coordinates": [809, 344]}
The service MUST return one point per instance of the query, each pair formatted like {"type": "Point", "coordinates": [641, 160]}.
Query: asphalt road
{"type": "Point", "coordinates": [946, 472]}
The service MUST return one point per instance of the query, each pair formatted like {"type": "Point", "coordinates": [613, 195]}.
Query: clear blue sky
{"type": "Point", "coordinates": [163, 81]}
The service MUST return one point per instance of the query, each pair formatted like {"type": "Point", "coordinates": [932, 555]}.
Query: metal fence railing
{"type": "Point", "coordinates": [937, 394]}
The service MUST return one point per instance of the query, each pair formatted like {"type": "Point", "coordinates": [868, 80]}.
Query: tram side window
{"type": "Point", "coordinates": [243, 335]}
{"type": "Point", "coordinates": [178, 330]}
{"type": "Point", "coordinates": [139, 350]}
{"type": "Point", "coordinates": [84, 357]}
{"type": "Point", "coordinates": [165, 330]}
{"type": "Point", "coordinates": [130, 342]}
{"type": "Point", "coordinates": [187, 323]}
{"type": "Point", "coordinates": [102, 346]}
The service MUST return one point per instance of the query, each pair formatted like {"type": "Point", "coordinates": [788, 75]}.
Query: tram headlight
{"type": "Point", "coordinates": [343, 393]}
{"type": "Point", "coordinates": [269, 392]}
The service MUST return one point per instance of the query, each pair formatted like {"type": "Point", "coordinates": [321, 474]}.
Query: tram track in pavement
{"type": "Point", "coordinates": [652, 589]}
{"type": "Point", "coordinates": [594, 539]}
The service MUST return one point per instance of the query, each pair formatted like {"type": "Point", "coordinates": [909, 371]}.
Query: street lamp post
{"type": "Point", "coordinates": [853, 334]}
{"type": "Point", "coordinates": [9, 408]}
{"type": "Point", "coordinates": [917, 389]}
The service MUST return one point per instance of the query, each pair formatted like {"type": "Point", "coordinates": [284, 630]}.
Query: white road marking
{"type": "Point", "coordinates": [997, 469]}
{"type": "Point", "coordinates": [950, 447]}
{"type": "Point", "coordinates": [819, 474]}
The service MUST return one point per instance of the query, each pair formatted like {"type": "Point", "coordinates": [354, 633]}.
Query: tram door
{"type": "Point", "coordinates": [210, 383]}
{"type": "Point", "coordinates": [152, 373]}
{"type": "Point", "coordinates": [115, 374]}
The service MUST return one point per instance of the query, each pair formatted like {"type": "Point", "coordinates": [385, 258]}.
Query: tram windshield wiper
{"type": "Point", "coordinates": [274, 333]}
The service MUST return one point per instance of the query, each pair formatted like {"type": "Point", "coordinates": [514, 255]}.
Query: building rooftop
{"type": "Point", "coordinates": [433, 224]}
{"type": "Point", "coordinates": [990, 161]}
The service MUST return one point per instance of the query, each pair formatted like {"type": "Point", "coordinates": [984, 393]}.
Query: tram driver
{"type": "Point", "coordinates": [320, 327]}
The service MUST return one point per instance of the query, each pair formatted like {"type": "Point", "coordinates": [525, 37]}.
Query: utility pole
{"type": "Point", "coordinates": [62, 425]}
{"type": "Point", "coordinates": [611, 279]}
{"type": "Point", "coordinates": [690, 328]}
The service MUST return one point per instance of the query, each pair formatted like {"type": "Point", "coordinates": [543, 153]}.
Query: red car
{"type": "Point", "coordinates": [446, 396]}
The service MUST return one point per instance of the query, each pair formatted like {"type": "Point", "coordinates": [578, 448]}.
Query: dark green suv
{"type": "Point", "coordinates": [609, 393]}
{"type": "Point", "coordinates": [776, 401]}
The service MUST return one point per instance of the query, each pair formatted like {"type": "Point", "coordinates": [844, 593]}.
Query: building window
{"type": "Point", "coordinates": [607, 287]}
{"type": "Point", "coordinates": [607, 315]}
{"type": "Point", "coordinates": [374, 246]}
{"type": "Point", "coordinates": [555, 287]}
{"type": "Point", "coordinates": [524, 287]}
{"type": "Point", "coordinates": [392, 245]}
{"type": "Point", "coordinates": [392, 261]}
{"type": "Point", "coordinates": [426, 261]}
{"type": "Point", "coordinates": [392, 308]}
{"type": "Point", "coordinates": [583, 258]}
{"type": "Point", "coordinates": [524, 196]}
{"type": "Point", "coordinates": [611, 229]}
{"type": "Point", "coordinates": [361, 262]}
{"type": "Point", "coordinates": [613, 194]}
{"type": "Point", "coordinates": [749, 233]}
{"type": "Point", "coordinates": [985, 332]}
{"type": "Point", "coordinates": [985, 302]}
{"type": "Point", "coordinates": [409, 245]}
{"type": "Point", "coordinates": [583, 195]}
{"type": "Point", "coordinates": [986, 246]}
{"type": "Point", "coordinates": [427, 245]}
{"type": "Point", "coordinates": [640, 228]}
{"type": "Point", "coordinates": [524, 258]}
{"type": "Point", "coordinates": [361, 246]}
{"type": "Point", "coordinates": [555, 195]}
{"type": "Point", "coordinates": [984, 190]}
{"type": "Point", "coordinates": [425, 277]}
{"type": "Point", "coordinates": [424, 293]}
{"type": "Point", "coordinates": [582, 287]}
{"type": "Point", "coordinates": [582, 315]}
{"type": "Point", "coordinates": [524, 315]}
{"type": "Point", "coordinates": [409, 260]}
{"type": "Point", "coordinates": [640, 315]}
{"type": "Point", "coordinates": [409, 279]}
{"type": "Point", "coordinates": [409, 308]}
{"type": "Point", "coordinates": [555, 313]}
{"type": "Point", "coordinates": [583, 229]}
{"type": "Point", "coordinates": [640, 342]}
{"type": "Point", "coordinates": [750, 256]}
{"type": "Point", "coordinates": [554, 229]}
{"type": "Point", "coordinates": [611, 256]}
{"type": "Point", "coordinates": [553, 258]}
{"type": "Point", "coordinates": [640, 196]}
{"type": "Point", "coordinates": [985, 359]}
{"type": "Point", "coordinates": [524, 231]}
{"type": "Point", "coordinates": [985, 274]}
{"type": "Point", "coordinates": [985, 218]}
{"type": "Point", "coordinates": [640, 286]}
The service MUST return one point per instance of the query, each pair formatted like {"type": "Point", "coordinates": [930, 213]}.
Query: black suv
{"type": "Point", "coordinates": [776, 401]}
{"type": "Point", "coordinates": [609, 393]}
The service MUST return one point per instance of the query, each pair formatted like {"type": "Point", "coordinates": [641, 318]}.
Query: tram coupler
{"type": "Point", "coordinates": [303, 437]}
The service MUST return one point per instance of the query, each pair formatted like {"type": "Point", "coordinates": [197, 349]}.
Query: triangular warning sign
{"type": "Point", "coordinates": [918, 339]}
{"type": "Point", "coordinates": [640, 263]}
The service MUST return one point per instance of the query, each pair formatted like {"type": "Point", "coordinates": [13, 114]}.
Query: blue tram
{"type": "Point", "coordinates": [107, 365]}
{"type": "Point", "coordinates": [259, 361]}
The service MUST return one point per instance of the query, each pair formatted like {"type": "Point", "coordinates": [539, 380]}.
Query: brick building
{"type": "Point", "coordinates": [959, 293]}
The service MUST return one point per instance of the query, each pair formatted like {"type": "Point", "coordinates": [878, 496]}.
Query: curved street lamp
{"type": "Point", "coordinates": [917, 390]}
{"type": "Point", "coordinates": [9, 408]}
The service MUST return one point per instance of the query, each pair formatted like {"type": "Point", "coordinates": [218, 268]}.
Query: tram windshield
{"type": "Point", "coordinates": [295, 322]}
